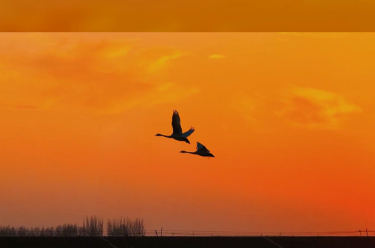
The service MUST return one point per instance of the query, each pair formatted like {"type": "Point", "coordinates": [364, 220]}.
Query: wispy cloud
{"type": "Point", "coordinates": [315, 108]}
{"type": "Point", "coordinates": [216, 56]}
{"type": "Point", "coordinates": [97, 74]}
{"type": "Point", "coordinates": [157, 58]}
{"type": "Point", "coordinates": [163, 93]}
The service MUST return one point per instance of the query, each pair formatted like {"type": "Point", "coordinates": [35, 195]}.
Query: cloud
{"type": "Point", "coordinates": [156, 58]}
{"type": "Point", "coordinates": [163, 93]}
{"type": "Point", "coordinates": [86, 71]}
{"type": "Point", "coordinates": [315, 108]}
{"type": "Point", "coordinates": [216, 56]}
{"type": "Point", "coordinates": [171, 92]}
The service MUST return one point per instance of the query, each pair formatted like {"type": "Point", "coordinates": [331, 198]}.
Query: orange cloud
{"type": "Point", "coordinates": [163, 93]}
{"type": "Point", "coordinates": [315, 108]}
{"type": "Point", "coordinates": [156, 58]}
{"type": "Point", "coordinates": [104, 75]}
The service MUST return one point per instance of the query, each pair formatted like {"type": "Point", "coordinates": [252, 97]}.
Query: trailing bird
{"type": "Point", "coordinates": [177, 130]}
{"type": "Point", "coordinates": [201, 151]}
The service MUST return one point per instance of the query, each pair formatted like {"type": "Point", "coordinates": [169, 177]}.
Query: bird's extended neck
{"type": "Point", "coordinates": [187, 152]}
{"type": "Point", "coordinates": [167, 136]}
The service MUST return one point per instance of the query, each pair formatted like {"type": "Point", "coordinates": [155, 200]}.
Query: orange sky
{"type": "Point", "coordinates": [289, 117]}
{"type": "Point", "coordinates": [191, 16]}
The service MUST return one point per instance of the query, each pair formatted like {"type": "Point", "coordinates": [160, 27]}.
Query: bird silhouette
{"type": "Point", "coordinates": [201, 151]}
{"type": "Point", "coordinates": [177, 130]}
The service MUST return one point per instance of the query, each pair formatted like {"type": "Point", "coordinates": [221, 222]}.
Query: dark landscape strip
{"type": "Point", "coordinates": [188, 242]}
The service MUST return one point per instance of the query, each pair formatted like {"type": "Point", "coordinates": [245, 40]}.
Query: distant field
{"type": "Point", "coordinates": [187, 242]}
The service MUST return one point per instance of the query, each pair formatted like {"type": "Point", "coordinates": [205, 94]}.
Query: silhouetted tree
{"type": "Point", "coordinates": [125, 227]}
{"type": "Point", "coordinates": [92, 226]}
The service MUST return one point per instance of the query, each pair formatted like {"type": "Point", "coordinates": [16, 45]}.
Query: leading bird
{"type": "Point", "coordinates": [201, 151]}
{"type": "Point", "coordinates": [177, 130]}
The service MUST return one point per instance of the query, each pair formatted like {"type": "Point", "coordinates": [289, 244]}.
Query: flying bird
{"type": "Point", "coordinates": [201, 151]}
{"type": "Point", "coordinates": [177, 130]}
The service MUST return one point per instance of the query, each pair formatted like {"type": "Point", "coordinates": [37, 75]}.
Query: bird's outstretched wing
{"type": "Point", "coordinates": [201, 147]}
{"type": "Point", "coordinates": [176, 123]}
{"type": "Point", "coordinates": [187, 134]}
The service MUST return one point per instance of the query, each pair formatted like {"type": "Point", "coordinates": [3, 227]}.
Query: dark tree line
{"type": "Point", "coordinates": [125, 227]}
{"type": "Point", "coordinates": [92, 226]}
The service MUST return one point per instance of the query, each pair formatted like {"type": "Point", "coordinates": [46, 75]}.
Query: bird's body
{"type": "Point", "coordinates": [177, 130]}
{"type": "Point", "coordinates": [201, 151]}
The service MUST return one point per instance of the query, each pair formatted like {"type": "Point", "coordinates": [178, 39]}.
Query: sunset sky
{"type": "Point", "coordinates": [289, 117]}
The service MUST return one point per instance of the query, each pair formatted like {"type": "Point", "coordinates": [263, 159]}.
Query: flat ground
{"type": "Point", "coordinates": [187, 242]}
